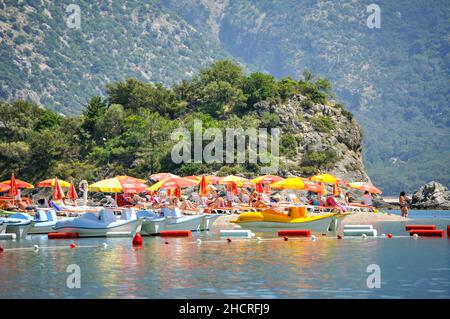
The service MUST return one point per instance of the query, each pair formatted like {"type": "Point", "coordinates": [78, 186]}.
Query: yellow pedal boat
{"type": "Point", "coordinates": [296, 218]}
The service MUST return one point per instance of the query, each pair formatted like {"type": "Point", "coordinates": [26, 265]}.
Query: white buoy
{"type": "Point", "coordinates": [253, 234]}
{"type": "Point", "coordinates": [36, 247]}
{"type": "Point", "coordinates": [313, 237]}
{"type": "Point", "coordinates": [199, 241]}
{"type": "Point", "coordinates": [364, 236]}
{"type": "Point", "coordinates": [258, 239]}
{"type": "Point", "coordinates": [416, 236]}
{"type": "Point", "coordinates": [105, 245]}
{"type": "Point", "coordinates": [383, 235]}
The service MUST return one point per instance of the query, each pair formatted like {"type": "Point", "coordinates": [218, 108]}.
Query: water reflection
{"type": "Point", "coordinates": [273, 268]}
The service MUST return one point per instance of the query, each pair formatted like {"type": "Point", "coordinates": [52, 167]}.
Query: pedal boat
{"type": "Point", "coordinates": [296, 218]}
{"type": "Point", "coordinates": [43, 221]}
{"type": "Point", "coordinates": [99, 225]}
{"type": "Point", "coordinates": [15, 224]}
{"type": "Point", "coordinates": [171, 219]}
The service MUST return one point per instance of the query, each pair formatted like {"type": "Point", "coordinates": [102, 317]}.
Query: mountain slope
{"type": "Point", "coordinates": [394, 79]}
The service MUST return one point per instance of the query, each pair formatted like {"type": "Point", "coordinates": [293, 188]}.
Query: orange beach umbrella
{"type": "Point", "coordinates": [203, 187]}
{"type": "Point", "coordinates": [52, 182]}
{"type": "Point", "coordinates": [19, 183]}
{"type": "Point", "coordinates": [365, 187]}
{"type": "Point", "coordinates": [162, 176]}
{"type": "Point", "coordinates": [14, 190]}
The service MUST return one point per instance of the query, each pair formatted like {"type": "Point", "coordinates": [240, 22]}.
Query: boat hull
{"type": "Point", "coordinates": [184, 223]}
{"type": "Point", "coordinates": [131, 227]}
{"type": "Point", "coordinates": [153, 226]}
{"type": "Point", "coordinates": [21, 230]}
{"type": "Point", "coordinates": [318, 225]}
{"type": "Point", "coordinates": [208, 220]}
{"type": "Point", "coordinates": [42, 228]}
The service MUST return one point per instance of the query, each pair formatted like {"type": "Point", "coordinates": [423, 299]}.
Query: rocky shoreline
{"type": "Point", "coordinates": [431, 196]}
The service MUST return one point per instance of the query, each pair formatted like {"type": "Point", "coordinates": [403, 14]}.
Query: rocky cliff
{"type": "Point", "coordinates": [324, 137]}
{"type": "Point", "coordinates": [433, 195]}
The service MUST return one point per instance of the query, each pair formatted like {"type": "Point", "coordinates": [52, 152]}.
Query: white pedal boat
{"type": "Point", "coordinates": [171, 219]}
{"type": "Point", "coordinates": [101, 224]}
{"type": "Point", "coordinates": [15, 224]}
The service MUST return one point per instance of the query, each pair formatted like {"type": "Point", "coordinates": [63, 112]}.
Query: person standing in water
{"type": "Point", "coordinates": [403, 204]}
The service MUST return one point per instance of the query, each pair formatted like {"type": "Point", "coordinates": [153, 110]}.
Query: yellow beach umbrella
{"type": "Point", "coordinates": [324, 178]}
{"type": "Point", "coordinates": [52, 182]}
{"type": "Point", "coordinates": [289, 183]}
{"type": "Point", "coordinates": [239, 181]}
{"type": "Point", "coordinates": [119, 184]}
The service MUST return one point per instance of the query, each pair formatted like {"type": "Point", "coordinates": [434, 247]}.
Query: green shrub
{"type": "Point", "coordinates": [323, 123]}
{"type": "Point", "coordinates": [320, 159]}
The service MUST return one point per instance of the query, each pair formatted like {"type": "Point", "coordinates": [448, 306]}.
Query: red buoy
{"type": "Point", "coordinates": [166, 242]}
{"type": "Point", "coordinates": [229, 240]}
{"type": "Point", "coordinates": [339, 237]}
{"type": "Point", "coordinates": [72, 245]}
{"type": "Point", "coordinates": [1, 249]}
{"type": "Point", "coordinates": [389, 235]}
{"type": "Point", "coordinates": [295, 232]}
{"type": "Point", "coordinates": [285, 238]}
{"type": "Point", "coordinates": [62, 235]}
{"type": "Point", "coordinates": [448, 231]}
{"type": "Point", "coordinates": [175, 233]}
{"type": "Point", "coordinates": [137, 240]}
{"type": "Point", "coordinates": [422, 227]}
{"type": "Point", "coordinates": [427, 232]}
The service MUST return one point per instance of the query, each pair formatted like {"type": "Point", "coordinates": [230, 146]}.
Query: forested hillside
{"type": "Point", "coordinates": [394, 79]}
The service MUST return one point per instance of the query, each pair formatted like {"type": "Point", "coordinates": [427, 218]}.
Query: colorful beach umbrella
{"type": "Point", "coordinates": [19, 183]}
{"type": "Point", "coordinates": [267, 179]}
{"type": "Point", "coordinates": [14, 190]}
{"type": "Point", "coordinates": [172, 182]}
{"type": "Point", "coordinates": [239, 181]}
{"type": "Point", "coordinates": [365, 187]}
{"type": "Point", "coordinates": [162, 176]}
{"type": "Point", "coordinates": [259, 188]}
{"type": "Point", "coordinates": [295, 183]}
{"type": "Point", "coordinates": [203, 187]}
{"type": "Point", "coordinates": [193, 178]}
{"type": "Point", "coordinates": [72, 193]}
{"type": "Point", "coordinates": [57, 193]}
{"type": "Point", "coordinates": [4, 188]}
{"type": "Point", "coordinates": [324, 178]}
{"type": "Point", "coordinates": [213, 179]}
{"type": "Point", "coordinates": [119, 184]}
{"type": "Point", "coordinates": [51, 183]}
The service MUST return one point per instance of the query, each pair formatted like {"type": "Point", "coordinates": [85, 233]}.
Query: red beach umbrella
{"type": "Point", "coordinates": [57, 193]}
{"type": "Point", "coordinates": [72, 193]}
{"type": "Point", "coordinates": [4, 188]}
{"type": "Point", "coordinates": [259, 188]}
{"type": "Point", "coordinates": [162, 176]}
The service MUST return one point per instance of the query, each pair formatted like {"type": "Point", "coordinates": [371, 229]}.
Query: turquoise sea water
{"type": "Point", "coordinates": [272, 268]}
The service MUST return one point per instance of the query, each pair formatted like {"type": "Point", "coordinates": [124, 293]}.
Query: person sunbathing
{"type": "Point", "coordinates": [187, 205]}
{"type": "Point", "coordinates": [217, 202]}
